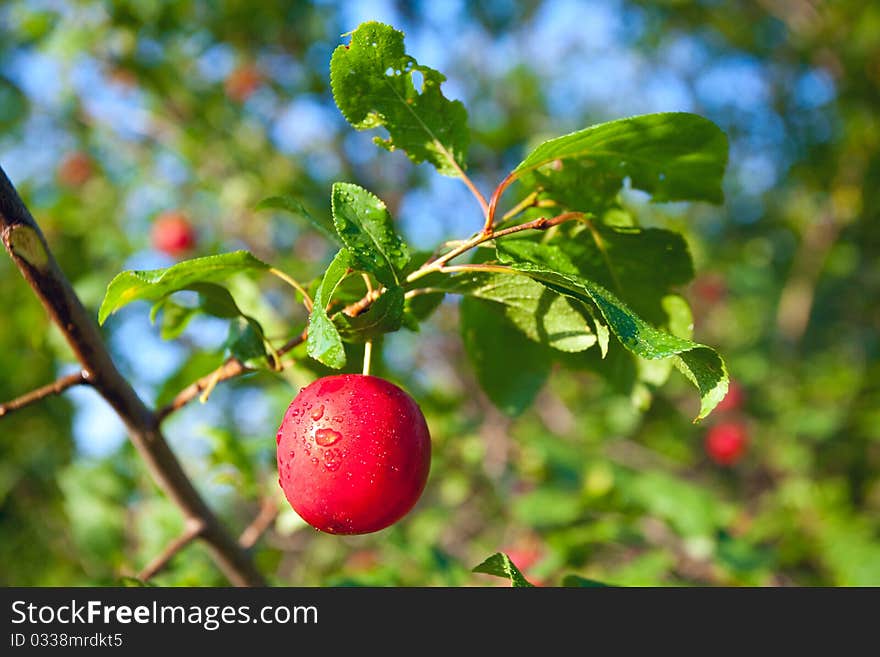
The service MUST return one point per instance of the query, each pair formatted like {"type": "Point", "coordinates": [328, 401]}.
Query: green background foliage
{"type": "Point", "coordinates": [581, 469]}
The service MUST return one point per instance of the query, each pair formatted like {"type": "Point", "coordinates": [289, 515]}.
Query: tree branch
{"type": "Point", "coordinates": [28, 248]}
{"type": "Point", "coordinates": [158, 564]}
{"type": "Point", "coordinates": [55, 388]}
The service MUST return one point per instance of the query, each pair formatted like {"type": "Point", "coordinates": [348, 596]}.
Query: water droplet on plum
{"type": "Point", "coordinates": [318, 413]}
{"type": "Point", "coordinates": [326, 437]}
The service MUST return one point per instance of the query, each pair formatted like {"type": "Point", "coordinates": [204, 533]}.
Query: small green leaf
{"type": "Point", "coordinates": [213, 300]}
{"type": "Point", "coordinates": [324, 343]}
{"type": "Point", "coordinates": [289, 204]}
{"type": "Point", "coordinates": [372, 82]}
{"type": "Point", "coordinates": [134, 582]}
{"type": "Point", "coordinates": [491, 340]}
{"type": "Point", "coordinates": [365, 227]}
{"type": "Point", "coordinates": [549, 265]}
{"type": "Point", "coordinates": [576, 581]}
{"type": "Point", "coordinates": [156, 284]}
{"type": "Point", "coordinates": [673, 156]}
{"type": "Point", "coordinates": [175, 317]}
{"type": "Point", "coordinates": [500, 565]}
{"type": "Point", "coordinates": [543, 315]}
{"type": "Point", "coordinates": [245, 340]}
{"type": "Point", "coordinates": [385, 315]}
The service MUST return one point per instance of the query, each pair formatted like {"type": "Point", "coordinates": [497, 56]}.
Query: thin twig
{"type": "Point", "coordinates": [55, 388]}
{"type": "Point", "coordinates": [498, 269]}
{"type": "Point", "coordinates": [158, 564]}
{"type": "Point", "coordinates": [528, 202]}
{"type": "Point", "coordinates": [541, 223]}
{"type": "Point", "coordinates": [252, 533]}
{"type": "Point", "coordinates": [230, 369]}
{"type": "Point", "coordinates": [356, 308]}
{"type": "Point", "coordinates": [493, 202]}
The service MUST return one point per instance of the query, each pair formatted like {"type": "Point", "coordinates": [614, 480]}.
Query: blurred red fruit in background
{"type": "Point", "coordinates": [75, 169]}
{"type": "Point", "coordinates": [726, 443]}
{"type": "Point", "coordinates": [709, 288]}
{"type": "Point", "coordinates": [243, 82]}
{"type": "Point", "coordinates": [173, 233]}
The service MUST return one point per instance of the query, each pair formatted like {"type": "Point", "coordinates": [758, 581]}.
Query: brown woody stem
{"type": "Point", "coordinates": [28, 248]}
{"type": "Point", "coordinates": [157, 565]}
{"type": "Point", "coordinates": [55, 388]}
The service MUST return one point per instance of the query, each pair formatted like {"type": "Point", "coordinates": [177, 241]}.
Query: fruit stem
{"type": "Point", "coordinates": [368, 356]}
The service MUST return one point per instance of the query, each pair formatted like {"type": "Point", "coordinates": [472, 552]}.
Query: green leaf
{"type": "Point", "coordinates": [324, 343]}
{"type": "Point", "coordinates": [156, 284]}
{"type": "Point", "coordinates": [576, 581]}
{"type": "Point", "coordinates": [640, 265]}
{"type": "Point", "coordinates": [500, 565]}
{"type": "Point", "coordinates": [245, 340]}
{"type": "Point", "coordinates": [289, 204]}
{"type": "Point", "coordinates": [680, 323]}
{"type": "Point", "coordinates": [385, 315]}
{"type": "Point", "coordinates": [134, 582]}
{"type": "Point", "coordinates": [673, 156]}
{"type": "Point", "coordinates": [541, 314]}
{"type": "Point", "coordinates": [365, 227]}
{"type": "Point", "coordinates": [549, 265]}
{"type": "Point", "coordinates": [372, 83]}
{"type": "Point", "coordinates": [491, 340]}
{"type": "Point", "coordinates": [419, 308]}
{"type": "Point", "coordinates": [175, 317]}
